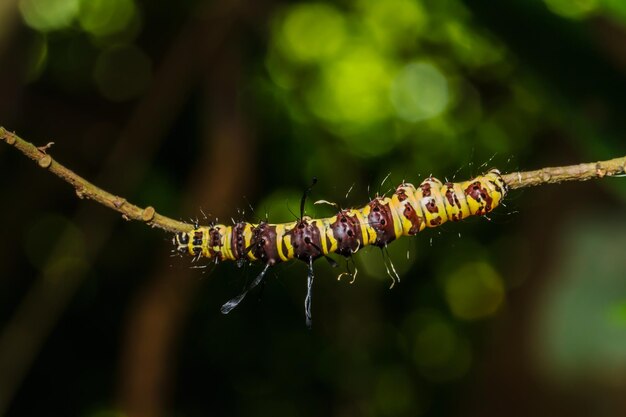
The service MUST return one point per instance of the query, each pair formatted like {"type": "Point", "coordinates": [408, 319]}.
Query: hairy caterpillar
{"type": "Point", "coordinates": [408, 211]}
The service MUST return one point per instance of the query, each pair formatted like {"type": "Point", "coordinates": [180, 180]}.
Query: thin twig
{"type": "Point", "coordinates": [85, 189]}
{"type": "Point", "coordinates": [148, 215]}
{"type": "Point", "coordinates": [554, 175]}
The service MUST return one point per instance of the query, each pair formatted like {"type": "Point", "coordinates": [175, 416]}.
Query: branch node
{"type": "Point", "coordinates": [45, 161]}
{"type": "Point", "coordinates": [119, 202]}
{"type": "Point", "coordinates": [45, 147]}
{"type": "Point", "coordinates": [600, 172]}
{"type": "Point", "coordinates": [545, 176]}
{"type": "Point", "coordinates": [125, 217]}
{"type": "Point", "coordinates": [148, 214]}
{"type": "Point", "coordinates": [8, 136]}
{"type": "Point", "coordinates": [80, 193]}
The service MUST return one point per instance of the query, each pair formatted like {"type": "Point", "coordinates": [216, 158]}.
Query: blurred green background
{"type": "Point", "coordinates": [230, 108]}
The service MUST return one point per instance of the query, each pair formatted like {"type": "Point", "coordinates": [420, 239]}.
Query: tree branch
{"type": "Point", "coordinates": [148, 215]}
{"type": "Point", "coordinates": [85, 189]}
{"type": "Point", "coordinates": [554, 175]}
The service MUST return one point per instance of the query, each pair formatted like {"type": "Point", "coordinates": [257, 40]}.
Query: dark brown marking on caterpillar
{"type": "Point", "coordinates": [479, 193]}
{"type": "Point", "coordinates": [416, 221]}
{"type": "Point", "coordinates": [381, 220]}
{"type": "Point", "coordinates": [305, 239]}
{"type": "Point", "coordinates": [401, 193]}
{"type": "Point", "coordinates": [436, 221]}
{"type": "Point", "coordinates": [453, 200]}
{"type": "Point", "coordinates": [237, 240]}
{"type": "Point", "coordinates": [215, 241]}
{"type": "Point", "coordinates": [347, 231]}
{"type": "Point", "coordinates": [264, 238]}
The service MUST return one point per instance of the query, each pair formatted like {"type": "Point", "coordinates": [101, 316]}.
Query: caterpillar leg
{"type": "Point", "coordinates": [229, 305]}
{"type": "Point", "coordinates": [391, 269]}
{"type": "Point", "coordinates": [349, 272]}
{"type": "Point", "coordinates": [309, 291]}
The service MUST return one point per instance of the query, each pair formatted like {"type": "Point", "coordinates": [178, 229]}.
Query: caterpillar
{"type": "Point", "coordinates": [407, 212]}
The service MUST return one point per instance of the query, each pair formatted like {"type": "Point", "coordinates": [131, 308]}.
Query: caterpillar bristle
{"type": "Point", "coordinates": [408, 211]}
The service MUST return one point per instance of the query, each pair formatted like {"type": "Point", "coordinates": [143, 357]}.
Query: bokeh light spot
{"type": "Point", "coordinates": [311, 32]}
{"type": "Point", "coordinates": [435, 343]}
{"type": "Point", "coordinates": [393, 23]}
{"type": "Point", "coordinates": [47, 15]}
{"type": "Point", "coordinates": [439, 352]}
{"type": "Point", "coordinates": [572, 9]}
{"type": "Point", "coordinates": [473, 291]}
{"type": "Point", "coordinates": [419, 91]}
{"type": "Point", "coordinates": [353, 89]}
{"type": "Point", "coordinates": [122, 72]}
{"type": "Point", "coordinates": [471, 47]}
{"type": "Point", "coordinates": [372, 264]}
{"type": "Point", "coordinates": [105, 17]}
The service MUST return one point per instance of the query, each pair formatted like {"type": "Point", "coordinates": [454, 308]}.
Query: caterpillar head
{"type": "Point", "coordinates": [181, 242]}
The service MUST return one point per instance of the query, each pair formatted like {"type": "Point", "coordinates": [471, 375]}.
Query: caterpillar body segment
{"type": "Point", "coordinates": [407, 212]}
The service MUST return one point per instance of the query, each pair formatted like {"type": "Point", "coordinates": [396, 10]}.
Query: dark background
{"type": "Point", "coordinates": [224, 107]}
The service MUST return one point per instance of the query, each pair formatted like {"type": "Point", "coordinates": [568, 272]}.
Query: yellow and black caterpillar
{"type": "Point", "coordinates": [408, 211]}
